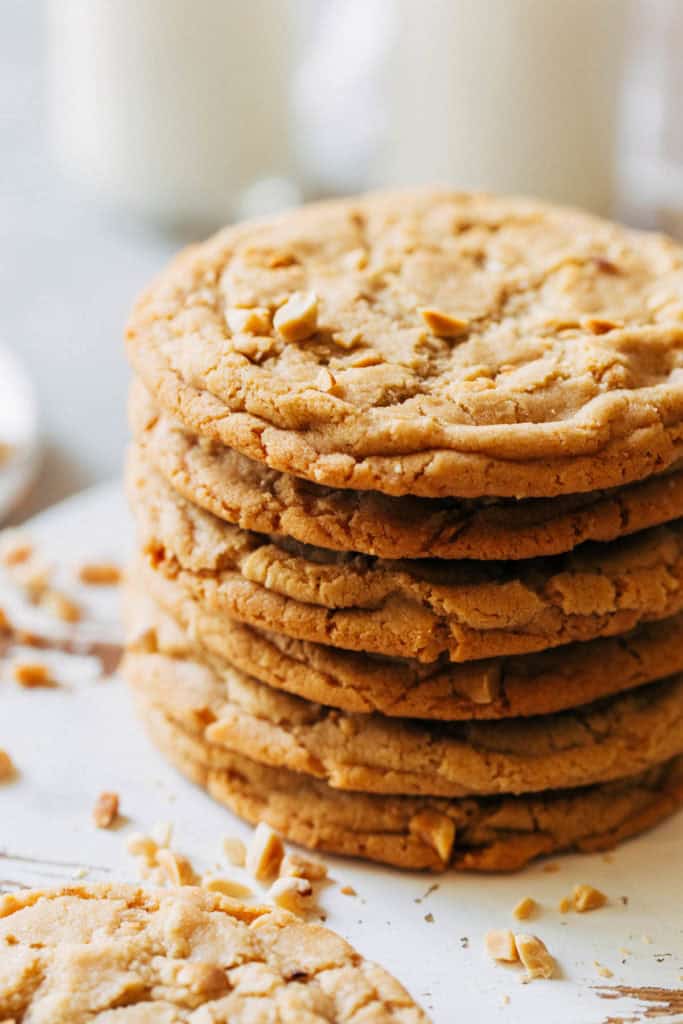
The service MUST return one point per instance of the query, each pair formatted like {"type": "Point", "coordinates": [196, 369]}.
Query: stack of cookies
{"type": "Point", "coordinates": [406, 476]}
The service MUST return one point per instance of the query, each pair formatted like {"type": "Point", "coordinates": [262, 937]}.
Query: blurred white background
{"type": "Point", "coordinates": [132, 126]}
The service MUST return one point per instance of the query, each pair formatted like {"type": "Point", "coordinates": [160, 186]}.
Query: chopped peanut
{"type": "Point", "coordinates": [291, 893]}
{"type": "Point", "coordinates": [535, 956]}
{"type": "Point", "coordinates": [500, 945]}
{"type": "Point", "coordinates": [585, 897]}
{"type": "Point", "coordinates": [348, 890]}
{"type": "Point", "coordinates": [295, 865]}
{"type": "Point", "coordinates": [565, 905]}
{"type": "Point", "coordinates": [6, 766]}
{"type": "Point", "coordinates": [226, 886]}
{"type": "Point", "coordinates": [264, 853]}
{"type": "Point", "coordinates": [140, 845]}
{"type": "Point", "coordinates": [235, 851]}
{"type": "Point", "coordinates": [298, 317]}
{"type": "Point", "coordinates": [100, 574]}
{"type": "Point", "coordinates": [32, 674]}
{"type": "Point", "coordinates": [525, 908]}
{"type": "Point", "coordinates": [176, 868]}
{"type": "Point", "coordinates": [437, 830]}
{"type": "Point", "coordinates": [443, 325]}
{"type": "Point", "coordinates": [106, 810]}
{"type": "Point", "coordinates": [248, 321]}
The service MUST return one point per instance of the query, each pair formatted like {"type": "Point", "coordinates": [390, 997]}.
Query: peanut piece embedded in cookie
{"type": "Point", "coordinates": [248, 321]}
{"type": "Point", "coordinates": [437, 830]}
{"type": "Point", "coordinates": [264, 853]}
{"type": "Point", "coordinates": [500, 945]}
{"type": "Point", "coordinates": [535, 956]}
{"type": "Point", "coordinates": [585, 897]}
{"type": "Point", "coordinates": [298, 318]}
{"type": "Point", "coordinates": [444, 325]}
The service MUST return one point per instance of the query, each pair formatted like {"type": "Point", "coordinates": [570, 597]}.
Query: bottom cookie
{"type": "Point", "coordinates": [476, 834]}
{"type": "Point", "coordinates": [120, 952]}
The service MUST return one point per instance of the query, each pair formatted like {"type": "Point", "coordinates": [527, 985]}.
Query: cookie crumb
{"type": "Point", "coordinates": [298, 317]}
{"type": "Point", "coordinates": [500, 945]}
{"type": "Point", "coordinates": [348, 890]}
{"type": "Point", "coordinates": [603, 971]}
{"type": "Point", "coordinates": [535, 956]}
{"type": "Point", "coordinates": [565, 905]}
{"type": "Point", "coordinates": [235, 851]}
{"type": "Point", "coordinates": [176, 868]}
{"type": "Point", "coordinates": [586, 897]}
{"type": "Point", "coordinates": [226, 886]}
{"type": "Point", "coordinates": [505, 1000]}
{"type": "Point", "coordinates": [295, 865]}
{"type": "Point", "coordinates": [106, 809]}
{"type": "Point", "coordinates": [429, 918]}
{"type": "Point", "coordinates": [6, 766]}
{"type": "Point", "coordinates": [100, 574]}
{"type": "Point", "coordinates": [264, 852]}
{"type": "Point", "coordinates": [32, 674]}
{"type": "Point", "coordinates": [291, 894]}
{"type": "Point", "coordinates": [525, 908]}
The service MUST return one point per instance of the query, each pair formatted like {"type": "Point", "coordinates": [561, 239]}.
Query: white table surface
{"type": "Point", "coordinates": [72, 742]}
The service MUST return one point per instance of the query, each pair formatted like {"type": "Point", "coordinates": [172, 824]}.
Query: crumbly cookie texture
{"type": "Point", "coordinates": [255, 497]}
{"type": "Point", "coordinates": [180, 956]}
{"type": "Point", "coordinates": [486, 834]}
{"type": "Point", "coordinates": [426, 342]}
{"type": "Point", "coordinates": [226, 709]}
{"type": "Point", "coordinates": [518, 686]}
{"type": "Point", "coordinates": [415, 609]}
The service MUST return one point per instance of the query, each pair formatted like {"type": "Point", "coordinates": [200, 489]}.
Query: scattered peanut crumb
{"type": "Point", "coordinates": [348, 890]}
{"type": "Point", "coordinates": [535, 956]}
{"type": "Point", "coordinates": [565, 905]}
{"type": "Point", "coordinates": [298, 317]}
{"type": "Point", "coordinates": [15, 547]}
{"type": "Point", "coordinates": [295, 865]}
{"type": "Point", "coordinates": [603, 971]}
{"type": "Point", "coordinates": [6, 766]}
{"type": "Point", "coordinates": [61, 606]}
{"type": "Point", "coordinates": [500, 945]}
{"type": "Point", "coordinates": [235, 851]}
{"type": "Point", "coordinates": [505, 1000]}
{"type": "Point", "coordinates": [162, 833]}
{"type": "Point", "coordinates": [32, 674]}
{"type": "Point", "coordinates": [225, 886]}
{"type": "Point", "coordinates": [291, 894]}
{"type": "Point", "coordinates": [80, 873]}
{"type": "Point", "coordinates": [525, 908]}
{"type": "Point", "coordinates": [140, 845]}
{"type": "Point", "coordinates": [176, 868]}
{"type": "Point", "coordinates": [585, 897]}
{"type": "Point", "coordinates": [106, 809]}
{"type": "Point", "coordinates": [264, 852]}
{"type": "Point", "coordinates": [100, 574]}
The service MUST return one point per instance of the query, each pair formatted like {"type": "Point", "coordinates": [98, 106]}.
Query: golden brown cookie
{"type": "Point", "coordinates": [476, 834]}
{"type": "Point", "coordinates": [416, 609]}
{"type": "Point", "coordinates": [175, 956]}
{"type": "Point", "coordinates": [522, 685]}
{"type": "Point", "coordinates": [223, 707]}
{"type": "Point", "coordinates": [249, 494]}
{"type": "Point", "coordinates": [426, 342]}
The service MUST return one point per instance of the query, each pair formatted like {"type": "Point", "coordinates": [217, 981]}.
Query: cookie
{"type": "Point", "coordinates": [477, 834]}
{"type": "Point", "coordinates": [227, 709]}
{"type": "Point", "coordinates": [416, 609]}
{"type": "Point", "coordinates": [248, 493]}
{"type": "Point", "coordinates": [426, 342]}
{"type": "Point", "coordinates": [119, 952]}
{"type": "Point", "coordinates": [522, 685]}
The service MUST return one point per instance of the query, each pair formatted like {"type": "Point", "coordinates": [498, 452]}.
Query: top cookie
{"type": "Point", "coordinates": [119, 952]}
{"type": "Point", "coordinates": [428, 343]}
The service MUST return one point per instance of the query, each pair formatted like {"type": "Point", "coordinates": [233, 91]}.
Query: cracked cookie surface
{"type": "Point", "coordinates": [225, 708]}
{"type": "Point", "coordinates": [426, 342]}
{"type": "Point", "coordinates": [412, 608]}
{"type": "Point", "coordinates": [179, 956]}
{"type": "Point", "coordinates": [476, 834]}
{"type": "Point", "coordinates": [255, 497]}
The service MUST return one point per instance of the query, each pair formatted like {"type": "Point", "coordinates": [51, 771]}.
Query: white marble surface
{"type": "Point", "coordinates": [69, 270]}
